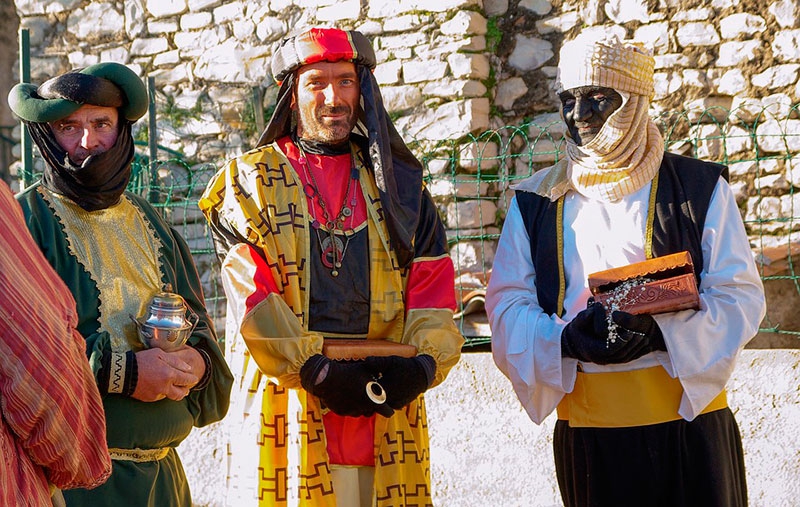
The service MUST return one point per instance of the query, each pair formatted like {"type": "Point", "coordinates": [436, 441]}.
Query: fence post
{"type": "Point", "coordinates": [152, 138]}
{"type": "Point", "coordinates": [25, 136]}
{"type": "Point", "coordinates": [258, 109]}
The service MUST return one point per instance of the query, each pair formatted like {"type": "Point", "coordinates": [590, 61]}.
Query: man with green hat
{"type": "Point", "coordinates": [116, 254]}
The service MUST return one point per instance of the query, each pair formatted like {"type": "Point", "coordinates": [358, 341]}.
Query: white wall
{"type": "Point", "coordinates": [485, 451]}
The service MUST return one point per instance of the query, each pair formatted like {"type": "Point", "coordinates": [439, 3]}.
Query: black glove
{"type": "Point", "coordinates": [403, 378]}
{"type": "Point", "coordinates": [344, 388]}
{"type": "Point", "coordinates": [642, 330]}
{"type": "Point", "coordinates": [585, 337]}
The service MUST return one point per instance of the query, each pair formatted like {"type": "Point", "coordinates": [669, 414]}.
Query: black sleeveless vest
{"type": "Point", "coordinates": [684, 189]}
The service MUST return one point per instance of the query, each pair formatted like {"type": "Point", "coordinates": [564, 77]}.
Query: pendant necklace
{"type": "Point", "coordinates": [333, 248]}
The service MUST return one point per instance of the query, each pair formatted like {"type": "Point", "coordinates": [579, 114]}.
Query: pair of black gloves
{"type": "Point", "coordinates": [344, 389]}
{"type": "Point", "coordinates": [586, 337]}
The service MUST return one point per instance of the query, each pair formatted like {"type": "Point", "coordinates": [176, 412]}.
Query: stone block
{"type": "Point", "coordinates": [786, 13]}
{"type": "Point", "coordinates": [39, 27]}
{"type": "Point", "coordinates": [342, 10]}
{"type": "Point", "coordinates": [736, 53]}
{"type": "Point", "coordinates": [167, 58]}
{"type": "Point", "coordinates": [774, 136]}
{"type": "Point", "coordinates": [415, 71]}
{"type": "Point", "coordinates": [469, 66]}
{"type": "Point", "coordinates": [737, 140]}
{"type": "Point", "coordinates": [78, 59]}
{"type": "Point", "coordinates": [786, 45]}
{"type": "Point", "coordinates": [495, 7]}
{"type": "Point", "coordinates": [164, 8]}
{"type": "Point", "coordinates": [667, 83]}
{"type": "Point", "coordinates": [195, 20]}
{"type": "Point", "coordinates": [732, 83]}
{"type": "Point", "coordinates": [697, 34]}
{"type": "Point", "coordinates": [106, 21]}
{"type": "Point", "coordinates": [270, 29]}
{"type": "Point", "coordinates": [149, 46]}
{"type": "Point", "coordinates": [388, 73]}
{"type": "Point", "coordinates": [530, 53]}
{"type": "Point", "coordinates": [472, 214]}
{"type": "Point", "coordinates": [655, 35]}
{"type": "Point", "coordinates": [538, 7]}
{"type": "Point", "coordinates": [741, 23]}
{"type": "Point", "coordinates": [472, 256]}
{"type": "Point", "coordinates": [401, 98]}
{"type": "Point", "coordinates": [199, 5]}
{"type": "Point", "coordinates": [740, 170]}
{"type": "Point", "coordinates": [160, 27]}
{"type": "Point", "coordinates": [671, 61]}
{"type": "Point", "coordinates": [708, 141]}
{"type": "Point", "coordinates": [438, 166]}
{"type": "Point", "coordinates": [479, 155]}
{"type": "Point", "coordinates": [448, 121]}
{"type": "Point", "coordinates": [403, 23]}
{"type": "Point", "coordinates": [699, 14]}
{"type": "Point", "coordinates": [465, 23]}
{"type": "Point", "coordinates": [508, 91]}
{"type": "Point", "coordinates": [775, 77]}
{"type": "Point", "coordinates": [626, 11]}
{"type": "Point", "coordinates": [454, 89]}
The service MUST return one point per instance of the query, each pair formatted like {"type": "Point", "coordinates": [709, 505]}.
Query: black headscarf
{"type": "Point", "coordinates": [397, 171]}
{"type": "Point", "coordinates": [95, 184]}
{"type": "Point", "coordinates": [100, 180]}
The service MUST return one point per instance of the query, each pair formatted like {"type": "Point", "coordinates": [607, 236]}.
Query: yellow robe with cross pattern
{"type": "Point", "coordinates": [277, 452]}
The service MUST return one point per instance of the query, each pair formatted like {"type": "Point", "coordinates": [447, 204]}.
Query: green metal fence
{"type": "Point", "coordinates": [470, 180]}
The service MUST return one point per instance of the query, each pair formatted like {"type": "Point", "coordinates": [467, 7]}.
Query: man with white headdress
{"type": "Point", "coordinates": [642, 413]}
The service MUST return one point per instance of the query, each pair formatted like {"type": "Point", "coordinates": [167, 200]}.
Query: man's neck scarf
{"type": "Point", "coordinates": [97, 183]}
{"type": "Point", "coordinates": [397, 172]}
{"type": "Point", "coordinates": [626, 154]}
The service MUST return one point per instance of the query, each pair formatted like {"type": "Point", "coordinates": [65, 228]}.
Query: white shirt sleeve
{"type": "Point", "coordinates": [703, 345]}
{"type": "Point", "coordinates": [526, 342]}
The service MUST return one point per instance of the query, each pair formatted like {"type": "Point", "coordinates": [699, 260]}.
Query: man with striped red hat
{"type": "Point", "coordinates": [328, 238]}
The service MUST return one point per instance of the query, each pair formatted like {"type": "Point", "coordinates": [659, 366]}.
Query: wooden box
{"type": "Point", "coordinates": [659, 285]}
{"type": "Point", "coordinates": [348, 350]}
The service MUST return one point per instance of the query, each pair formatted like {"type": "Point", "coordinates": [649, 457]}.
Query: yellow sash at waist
{"type": "Point", "coordinates": [626, 398]}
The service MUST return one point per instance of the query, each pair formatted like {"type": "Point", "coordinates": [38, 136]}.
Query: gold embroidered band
{"type": "Point", "coordinates": [116, 378]}
{"type": "Point", "coordinates": [139, 455]}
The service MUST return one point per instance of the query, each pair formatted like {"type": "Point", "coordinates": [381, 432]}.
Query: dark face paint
{"type": "Point", "coordinates": [586, 110]}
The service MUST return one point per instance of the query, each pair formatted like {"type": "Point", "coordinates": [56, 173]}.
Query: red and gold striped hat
{"type": "Point", "coordinates": [321, 45]}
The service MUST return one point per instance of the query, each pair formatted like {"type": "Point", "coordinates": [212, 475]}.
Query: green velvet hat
{"type": "Point", "coordinates": [106, 84]}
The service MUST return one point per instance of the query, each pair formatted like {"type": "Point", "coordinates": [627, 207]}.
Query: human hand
{"type": "Point", "coordinates": [641, 331]}
{"type": "Point", "coordinates": [585, 337]}
{"type": "Point", "coordinates": [194, 359]}
{"type": "Point", "coordinates": [341, 386]}
{"type": "Point", "coordinates": [164, 375]}
{"type": "Point", "coordinates": [403, 378]}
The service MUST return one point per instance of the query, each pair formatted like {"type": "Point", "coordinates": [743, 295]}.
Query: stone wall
{"type": "Point", "coordinates": [708, 53]}
{"type": "Point", "coordinates": [727, 77]}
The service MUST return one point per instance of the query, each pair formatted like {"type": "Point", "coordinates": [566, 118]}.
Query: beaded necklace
{"type": "Point", "coordinates": [332, 247]}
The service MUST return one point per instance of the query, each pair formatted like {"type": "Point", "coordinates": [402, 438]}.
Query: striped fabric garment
{"type": "Point", "coordinates": [52, 430]}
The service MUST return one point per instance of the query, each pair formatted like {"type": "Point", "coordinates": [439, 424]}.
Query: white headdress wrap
{"type": "Point", "coordinates": [626, 153]}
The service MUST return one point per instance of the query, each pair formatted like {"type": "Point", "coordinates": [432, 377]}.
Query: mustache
{"type": "Point", "coordinates": [335, 110]}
